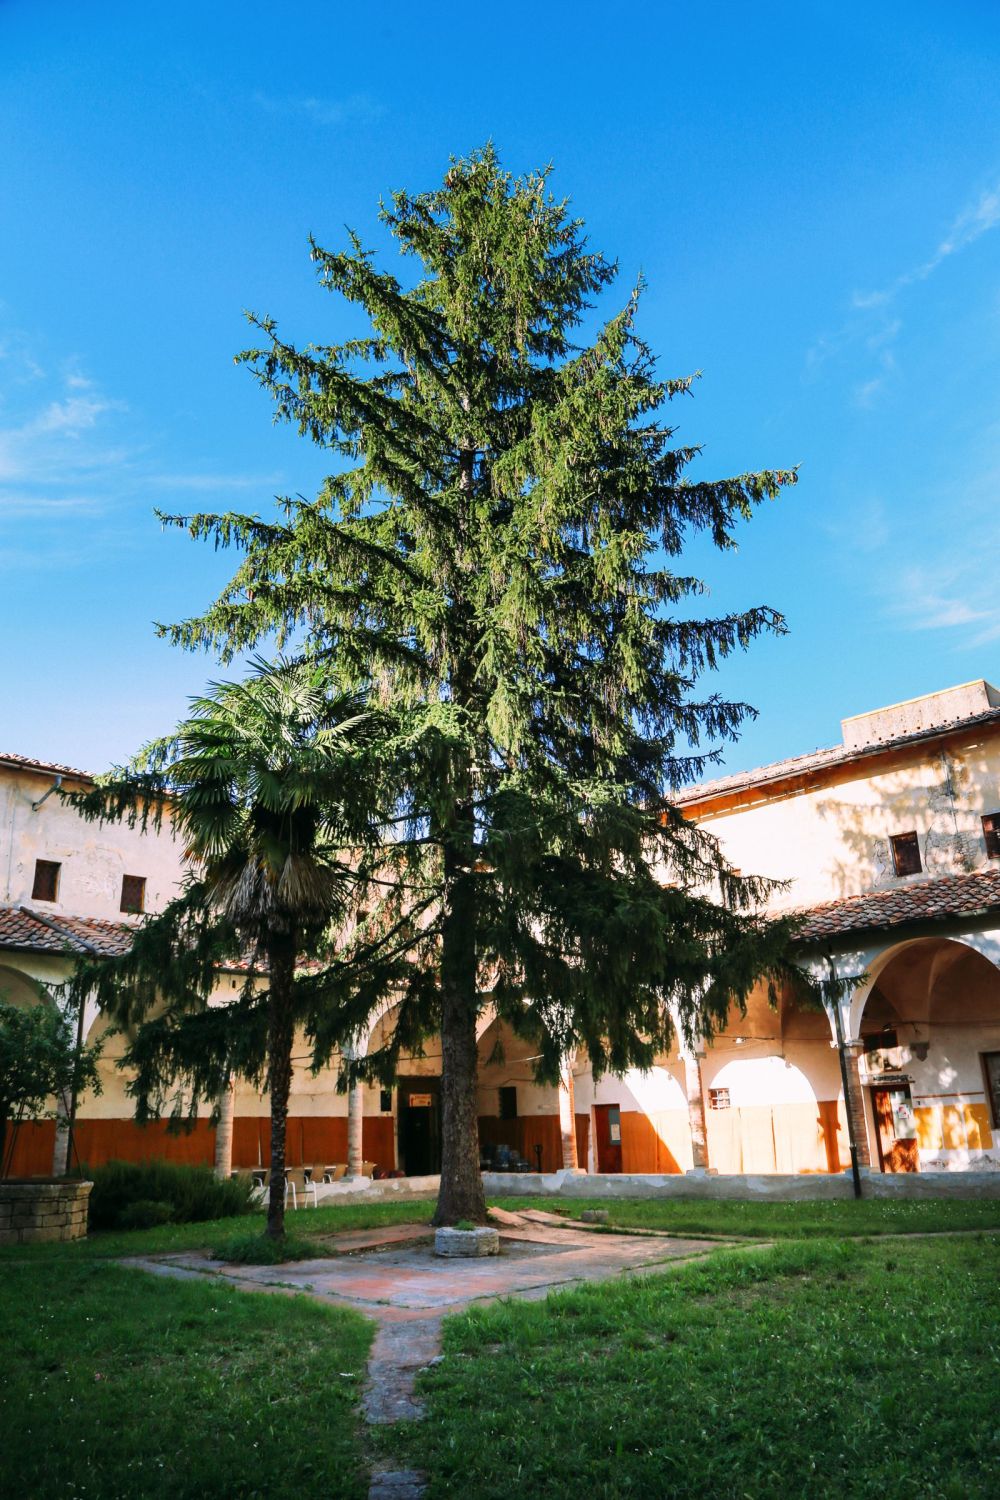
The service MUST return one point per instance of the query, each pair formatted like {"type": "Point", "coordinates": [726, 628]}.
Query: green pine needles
{"type": "Point", "coordinates": [493, 562]}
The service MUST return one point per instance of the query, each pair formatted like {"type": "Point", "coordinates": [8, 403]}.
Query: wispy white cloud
{"type": "Point", "coordinates": [873, 326]}
{"type": "Point", "coordinates": [18, 507]}
{"type": "Point", "coordinates": [971, 224]}
{"type": "Point", "coordinates": [860, 527]}
{"type": "Point", "coordinates": [948, 596]}
{"type": "Point", "coordinates": [69, 452]}
{"type": "Point", "coordinates": [209, 482]}
{"type": "Point", "coordinates": [354, 109]}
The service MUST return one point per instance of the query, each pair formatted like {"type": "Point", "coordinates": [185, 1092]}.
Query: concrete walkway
{"type": "Point", "coordinates": [393, 1276]}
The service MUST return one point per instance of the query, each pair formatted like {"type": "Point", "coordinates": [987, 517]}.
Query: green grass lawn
{"type": "Point", "coordinates": [115, 1384]}
{"type": "Point", "coordinates": [678, 1216]}
{"type": "Point", "coordinates": [781, 1220]}
{"type": "Point", "coordinates": [840, 1369]}
{"type": "Point", "coordinates": [216, 1233]}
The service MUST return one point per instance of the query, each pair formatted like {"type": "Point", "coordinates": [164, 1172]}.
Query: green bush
{"type": "Point", "coordinates": [145, 1213]}
{"type": "Point", "coordinates": [193, 1194]}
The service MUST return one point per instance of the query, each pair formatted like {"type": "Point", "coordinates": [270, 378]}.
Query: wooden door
{"type": "Point", "coordinates": [897, 1149]}
{"type": "Point", "coordinates": [608, 1137]}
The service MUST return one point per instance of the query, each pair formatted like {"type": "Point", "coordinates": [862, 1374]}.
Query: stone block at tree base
{"type": "Point", "coordinates": [458, 1242]}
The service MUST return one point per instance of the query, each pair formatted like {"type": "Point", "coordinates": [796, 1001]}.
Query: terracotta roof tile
{"type": "Point", "coordinates": [28, 763]}
{"type": "Point", "coordinates": [41, 933]}
{"type": "Point", "coordinates": [939, 899]}
{"type": "Point", "coordinates": [819, 760]}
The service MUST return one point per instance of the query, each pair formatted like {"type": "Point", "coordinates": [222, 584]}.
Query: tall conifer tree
{"type": "Point", "coordinates": [494, 560]}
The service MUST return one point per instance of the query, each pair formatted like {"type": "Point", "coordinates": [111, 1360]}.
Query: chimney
{"type": "Point", "coordinates": [932, 711]}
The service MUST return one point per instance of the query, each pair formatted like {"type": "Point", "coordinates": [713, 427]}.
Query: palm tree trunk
{"type": "Point", "coordinates": [281, 962]}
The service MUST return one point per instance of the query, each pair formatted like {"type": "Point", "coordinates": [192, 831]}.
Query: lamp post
{"type": "Point", "coordinates": [844, 1074]}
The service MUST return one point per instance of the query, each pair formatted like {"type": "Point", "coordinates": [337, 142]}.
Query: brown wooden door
{"type": "Point", "coordinates": [897, 1153]}
{"type": "Point", "coordinates": [608, 1137]}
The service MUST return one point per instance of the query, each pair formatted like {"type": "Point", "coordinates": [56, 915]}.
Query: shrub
{"type": "Point", "coordinates": [145, 1213]}
{"type": "Point", "coordinates": [192, 1193]}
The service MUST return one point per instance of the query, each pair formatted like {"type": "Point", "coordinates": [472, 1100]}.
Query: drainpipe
{"type": "Point", "coordinates": [845, 1078]}
{"type": "Point", "coordinates": [53, 788]}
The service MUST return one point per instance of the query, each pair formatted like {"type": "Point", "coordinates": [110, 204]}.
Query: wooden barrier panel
{"type": "Point", "coordinates": [523, 1134]}
{"type": "Point", "coordinates": [308, 1140]}
{"type": "Point", "coordinates": [98, 1141]}
{"type": "Point", "coordinates": [655, 1143]}
{"type": "Point", "coordinates": [582, 1140]}
{"type": "Point", "coordinates": [33, 1147]}
{"type": "Point", "coordinates": [311, 1139]}
{"type": "Point", "coordinates": [782, 1138]}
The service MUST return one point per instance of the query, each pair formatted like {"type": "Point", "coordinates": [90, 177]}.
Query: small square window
{"type": "Point", "coordinates": [385, 1101]}
{"type": "Point", "coordinates": [906, 854]}
{"type": "Point", "coordinates": [508, 1103]}
{"type": "Point", "coordinates": [133, 893]}
{"type": "Point", "coordinates": [46, 886]}
{"type": "Point", "coordinates": [991, 833]}
{"type": "Point", "coordinates": [718, 1098]}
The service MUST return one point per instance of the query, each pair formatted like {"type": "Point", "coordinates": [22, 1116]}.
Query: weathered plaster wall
{"type": "Point", "coordinates": [93, 859]}
{"type": "Point", "coordinates": [831, 840]}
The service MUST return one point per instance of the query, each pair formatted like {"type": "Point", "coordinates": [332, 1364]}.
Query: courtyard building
{"type": "Point", "coordinates": [888, 846]}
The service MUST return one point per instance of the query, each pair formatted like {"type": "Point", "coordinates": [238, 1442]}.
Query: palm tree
{"type": "Point", "coordinates": [268, 783]}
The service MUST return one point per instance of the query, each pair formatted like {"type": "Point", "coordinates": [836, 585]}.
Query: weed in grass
{"type": "Point", "coordinates": [263, 1250]}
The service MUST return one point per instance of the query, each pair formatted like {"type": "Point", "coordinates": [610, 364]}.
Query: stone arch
{"type": "Point", "coordinates": [933, 1002]}
{"type": "Point", "coordinates": [19, 988]}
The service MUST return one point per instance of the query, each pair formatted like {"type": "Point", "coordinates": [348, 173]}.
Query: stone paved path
{"type": "Point", "coordinates": [392, 1275]}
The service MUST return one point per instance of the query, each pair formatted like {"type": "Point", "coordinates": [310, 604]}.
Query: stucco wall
{"type": "Point", "coordinates": [832, 840]}
{"type": "Point", "coordinates": [93, 858]}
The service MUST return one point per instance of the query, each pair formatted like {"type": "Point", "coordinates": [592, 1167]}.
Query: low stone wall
{"type": "Point", "coordinates": [367, 1189]}
{"type": "Point", "coordinates": [33, 1209]}
{"type": "Point", "coordinates": [769, 1187]}
{"type": "Point", "coordinates": [773, 1187]}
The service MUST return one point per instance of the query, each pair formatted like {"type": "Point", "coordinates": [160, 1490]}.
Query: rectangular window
{"type": "Point", "coordinates": [991, 833]}
{"type": "Point", "coordinates": [46, 886]}
{"type": "Point", "coordinates": [508, 1104]}
{"type": "Point", "coordinates": [718, 1098]}
{"type": "Point", "coordinates": [385, 1101]}
{"type": "Point", "coordinates": [991, 1068]}
{"type": "Point", "coordinates": [878, 1041]}
{"type": "Point", "coordinates": [906, 854]}
{"type": "Point", "coordinates": [133, 893]}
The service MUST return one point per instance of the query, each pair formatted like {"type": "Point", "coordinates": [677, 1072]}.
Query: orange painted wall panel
{"type": "Point", "coordinates": [523, 1134]}
{"type": "Point", "coordinates": [647, 1141]}
{"type": "Point", "coordinates": [977, 1125]}
{"type": "Point", "coordinates": [953, 1127]}
{"type": "Point", "coordinates": [582, 1139]}
{"type": "Point", "coordinates": [33, 1146]}
{"type": "Point", "coordinates": [98, 1141]}
{"type": "Point", "coordinates": [930, 1136]}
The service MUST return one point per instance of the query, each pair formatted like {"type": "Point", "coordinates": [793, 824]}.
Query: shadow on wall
{"type": "Point", "coordinates": [937, 808]}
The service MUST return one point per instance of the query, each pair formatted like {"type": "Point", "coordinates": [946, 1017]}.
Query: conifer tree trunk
{"type": "Point", "coordinates": [461, 1195]}
{"type": "Point", "coordinates": [281, 960]}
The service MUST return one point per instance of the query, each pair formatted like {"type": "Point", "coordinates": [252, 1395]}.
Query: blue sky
{"type": "Point", "coordinates": [812, 193]}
